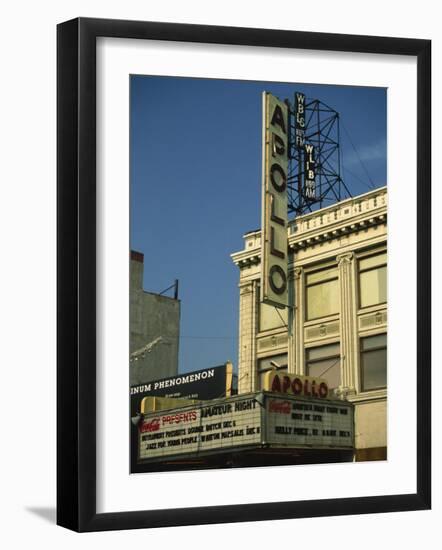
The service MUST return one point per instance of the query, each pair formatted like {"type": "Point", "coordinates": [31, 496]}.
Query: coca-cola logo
{"type": "Point", "coordinates": [282, 407]}
{"type": "Point", "coordinates": [151, 426]}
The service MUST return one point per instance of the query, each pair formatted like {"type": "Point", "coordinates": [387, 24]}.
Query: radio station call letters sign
{"type": "Point", "coordinates": [306, 150]}
{"type": "Point", "coordinates": [274, 259]}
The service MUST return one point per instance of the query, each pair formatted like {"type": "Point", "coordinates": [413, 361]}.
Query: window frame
{"type": "Point", "coordinates": [260, 371]}
{"type": "Point", "coordinates": [366, 270]}
{"type": "Point", "coordinates": [336, 356]}
{"type": "Point", "coordinates": [361, 362]}
{"type": "Point", "coordinates": [307, 318]}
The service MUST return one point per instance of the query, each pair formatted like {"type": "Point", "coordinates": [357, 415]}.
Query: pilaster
{"type": "Point", "coordinates": [291, 324]}
{"type": "Point", "coordinates": [347, 322]}
{"type": "Point", "coordinates": [299, 316]}
{"type": "Point", "coordinates": [248, 311]}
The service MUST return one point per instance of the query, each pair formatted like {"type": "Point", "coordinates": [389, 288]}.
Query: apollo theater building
{"type": "Point", "coordinates": [313, 294]}
{"type": "Point", "coordinates": [312, 367]}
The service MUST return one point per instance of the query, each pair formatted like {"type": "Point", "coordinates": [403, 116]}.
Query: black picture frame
{"type": "Point", "coordinates": [76, 272]}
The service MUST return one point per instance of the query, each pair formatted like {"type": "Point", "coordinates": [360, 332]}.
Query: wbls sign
{"type": "Point", "coordinates": [299, 120]}
{"type": "Point", "coordinates": [305, 151]}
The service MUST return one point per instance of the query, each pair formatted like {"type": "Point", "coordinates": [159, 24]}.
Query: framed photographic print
{"type": "Point", "coordinates": [243, 274]}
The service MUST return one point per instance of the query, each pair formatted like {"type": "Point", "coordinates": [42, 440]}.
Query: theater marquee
{"type": "Point", "coordinates": [220, 425]}
{"type": "Point", "coordinates": [309, 423]}
{"type": "Point", "coordinates": [273, 420]}
{"type": "Point", "coordinates": [274, 202]}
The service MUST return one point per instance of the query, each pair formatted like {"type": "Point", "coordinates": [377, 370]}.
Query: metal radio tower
{"type": "Point", "coordinates": [314, 179]}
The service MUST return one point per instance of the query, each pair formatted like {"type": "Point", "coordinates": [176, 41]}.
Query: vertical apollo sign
{"type": "Point", "coordinates": [274, 202]}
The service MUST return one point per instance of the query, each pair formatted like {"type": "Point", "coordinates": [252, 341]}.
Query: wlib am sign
{"type": "Point", "coordinates": [274, 202]}
{"type": "Point", "coordinates": [309, 172]}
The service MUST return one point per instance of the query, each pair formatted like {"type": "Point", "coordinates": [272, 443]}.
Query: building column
{"type": "Point", "coordinates": [248, 311]}
{"type": "Point", "coordinates": [299, 316]}
{"type": "Point", "coordinates": [347, 323]}
{"type": "Point", "coordinates": [291, 324]}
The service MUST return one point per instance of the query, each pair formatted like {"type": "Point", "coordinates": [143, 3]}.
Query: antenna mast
{"type": "Point", "coordinates": [314, 179]}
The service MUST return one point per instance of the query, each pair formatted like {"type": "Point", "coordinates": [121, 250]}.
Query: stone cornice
{"type": "Point", "coordinates": [320, 235]}
{"type": "Point", "coordinates": [247, 258]}
{"type": "Point", "coordinates": [334, 222]}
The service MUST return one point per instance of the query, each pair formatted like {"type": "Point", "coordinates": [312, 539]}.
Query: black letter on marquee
{"type": "Point", "coordinates": [277, 289]}
{"type": "Point", "coordinates": [278, 118]}
{"type": "Point", "coordinates": [282, 185]}
{"type": "Point", "coordinates": [278, 145]}
{"type": "Point", "coordinates": [273, 250]}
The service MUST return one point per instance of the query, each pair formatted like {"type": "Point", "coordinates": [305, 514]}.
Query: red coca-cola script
{"type": "Point", "coordinates": [150, 426]}
{"type": "Point", "coordinates": [282, 407]}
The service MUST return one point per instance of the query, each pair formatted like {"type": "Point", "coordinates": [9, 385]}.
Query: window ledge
{"type": "Point", "coordinates": [369, 395]}
{"type": "Point", "coordinates": [320, 320]}
{"type": "Point", "coordinates": [372, 309]}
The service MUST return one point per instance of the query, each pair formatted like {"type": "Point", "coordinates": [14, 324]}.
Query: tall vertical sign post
{"type": "Point", "coordinates": [274, 288]}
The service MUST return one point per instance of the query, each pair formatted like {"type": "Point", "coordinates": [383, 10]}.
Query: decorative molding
{"type": "Point", "coordinates": [345, 258]}
{"type": "Point", "coordinates": [324, 330]}
{"type": "Point", "coordinates": [246, 288]}
{"type": "Point", "coordinates": [275, 341]}
{"type": "Point", "coordinates": [329, 234]}
{"type": "Point", "coordinates": [334, 222]}
{"type": "Point", "coordinates": [248, 261]}
{"type": "Point", "coordinates": [373, 320]}
{"type": "Point", "coordinates": [343, 392]}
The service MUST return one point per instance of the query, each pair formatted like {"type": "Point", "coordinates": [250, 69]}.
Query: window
{"type": "Point", "coordinates": [373, 280]}
{"type": "Point", "coordinates": [374, 362]}
{"type": "Point", "coordinates": [265, 365]}
{"type": "Point", "coordinates": [322, 293]}
{"type": "Point", "coordinates": [325, 362]}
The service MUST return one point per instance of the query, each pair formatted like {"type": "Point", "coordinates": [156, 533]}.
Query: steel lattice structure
{"type": "Point", "coordinates": [321, 130]}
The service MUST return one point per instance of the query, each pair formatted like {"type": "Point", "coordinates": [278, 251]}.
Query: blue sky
{"type": "Point", "coordinates": [195, 160]}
